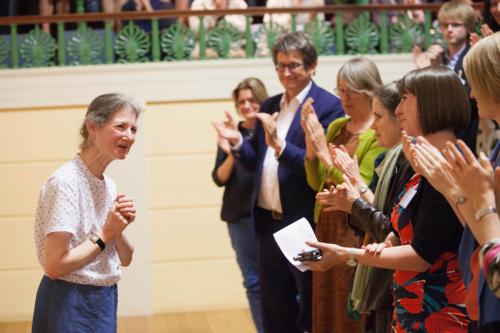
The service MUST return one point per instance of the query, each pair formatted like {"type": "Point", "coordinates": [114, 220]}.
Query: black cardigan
{"type": "Point", "coordinates": [237, 197]}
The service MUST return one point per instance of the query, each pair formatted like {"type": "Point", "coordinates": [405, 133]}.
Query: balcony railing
{"type": "Point", "coordinates": [92, 38]}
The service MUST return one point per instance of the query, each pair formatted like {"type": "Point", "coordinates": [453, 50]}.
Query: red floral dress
{"type": "Point", "coordinates": [430, 301]}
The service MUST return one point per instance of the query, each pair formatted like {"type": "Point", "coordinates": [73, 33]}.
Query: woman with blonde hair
{"type": "Point", "coordinates": [475, 205]}
{"type": "Point", "coordinates": [238, 181]}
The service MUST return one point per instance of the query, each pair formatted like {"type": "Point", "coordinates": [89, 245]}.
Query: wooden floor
{"type": "Point", "coordinates": [225, 321]}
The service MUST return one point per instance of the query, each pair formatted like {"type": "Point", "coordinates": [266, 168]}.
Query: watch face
{"type": "Point", "coordinates": [94, 238]}
{"type": "Point", "coordinates": [351, 262]}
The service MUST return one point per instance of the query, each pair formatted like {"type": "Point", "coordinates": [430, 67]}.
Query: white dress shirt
{"type": "Point", "coordinates": [269, 190]}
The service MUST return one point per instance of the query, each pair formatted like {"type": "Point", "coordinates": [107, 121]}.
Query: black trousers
{"type": "Point", "coordinates": [285, 291]}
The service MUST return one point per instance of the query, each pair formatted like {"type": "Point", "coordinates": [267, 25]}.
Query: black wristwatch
{"type": "Point", "coordinates": [94, 238]}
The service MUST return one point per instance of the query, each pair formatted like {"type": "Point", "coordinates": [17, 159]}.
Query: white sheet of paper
{"type": "Point", "coordinates": [292, 240]}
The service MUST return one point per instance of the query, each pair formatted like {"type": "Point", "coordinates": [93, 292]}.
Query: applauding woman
{"type": "Point", "coordinates": [370, 213]}
{"type": "Point", "coordinates": [238, 183]}
{"type": "Point", "coordinates": [356, 81]}
{"type": "Point", "coordinates": [423, 247]}
{"type": "Point", "coordinates": [475, 203]}
{"type": "Point", "coordinates": [79, 226]}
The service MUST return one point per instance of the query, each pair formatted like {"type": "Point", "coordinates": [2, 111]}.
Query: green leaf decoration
{"type": "Point", "coordinates": [177, 42]}
{"type": "Point", "coordinates": [132, 44]}
{"type": "Point", "coordinates": [265, 37]}
{"type": "Point", "coordinates": [85, 47]}
{"type": "Point", "coordinates": [38, 49]}
{"type": "Point", "coordinates": [436, 34]}
{"type": "Point", "coordinates": [224, 37]}
{"type": "Point", "coordinates": [4, 52]}
{"type": "Point", "coordinates": [404, 34]}
{"type": "Point", "coordinates": [272, 31]}
{"type": "Point", "coordinates": [322, 36]}
{"type": "Point", "coordinates": [361, 35]}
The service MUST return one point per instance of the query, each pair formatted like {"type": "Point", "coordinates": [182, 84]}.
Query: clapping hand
{"type": "Point", "coordinates": [120, 215]}
{"type": "Point", "coordinates": [227, 130]}
{"type": "Point", "coordinates": [314, 133]}
{"type": "Point", "coordinates": [376, 248]}
{"type": "Point", "coordinates": [269, 124]}
{"type": "Point", "coordinates": [433, 56]}
{"type": "Point", "coordinates": [125, 206]}
{"type": "Point", "coordinates": [464, 168]}
{"type": "Point", "coordinates": [340, 197]}
{"type": "Point", "coordinates": [344, 162]}
{"type": "Point", "coordinates": [485, 31]}
{"type": "Point", "coordinates": [430, 163]}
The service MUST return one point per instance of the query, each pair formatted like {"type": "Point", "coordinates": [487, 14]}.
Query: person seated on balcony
{"type": "Point", "coordinates": [46, 7]}
{"type": "Point", "coordinates": [149, 6]}
{"type": "Point", "coordinates": [285, 20]}
{"type": "Point", "coordinates": [210, 21]}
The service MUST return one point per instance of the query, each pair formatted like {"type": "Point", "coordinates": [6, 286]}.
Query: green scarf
{"type": "Point", "coordinates": [363, 273]}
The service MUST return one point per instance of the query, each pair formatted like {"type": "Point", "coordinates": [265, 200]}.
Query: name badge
{"type": "Point", "coordinates": [407, 197]}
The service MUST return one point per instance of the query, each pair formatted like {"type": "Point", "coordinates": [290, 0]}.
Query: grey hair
{"type": "Point", "coordinates": [102, 109]}
{"type": "Point", "coordinates": [361, 75]}
{"type": "Point", "coordinates": [296, 41]}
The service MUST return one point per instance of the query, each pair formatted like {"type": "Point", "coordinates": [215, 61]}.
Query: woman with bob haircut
{"type": "Point", "coordinates": [475, 205]}
{"type": "Point", "coordinates": [79, 226]}
{"type": "Point", "coordinates": [357, 80]}
{"type": "Point", "coordinates": [238, 186]}
{"type": "Point", "coordinates": [423, 245]}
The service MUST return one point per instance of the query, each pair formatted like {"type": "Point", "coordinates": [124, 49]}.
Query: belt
{"type": "Point", "coordinates": [276, 215]}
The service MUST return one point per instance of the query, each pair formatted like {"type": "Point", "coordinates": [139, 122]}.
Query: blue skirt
{"type": "Point", "coordinates": [64, 307]}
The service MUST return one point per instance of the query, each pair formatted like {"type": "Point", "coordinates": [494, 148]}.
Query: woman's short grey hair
{"type": "Point", "coordinates": [296, 41]}
{"type": "Point", "coordinates": [361, 75]}
{"type": "Point", "coordinates": [102, 109]}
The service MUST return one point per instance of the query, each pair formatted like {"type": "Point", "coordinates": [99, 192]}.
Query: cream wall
{"type": "Point", "coordinates": [183, 259]}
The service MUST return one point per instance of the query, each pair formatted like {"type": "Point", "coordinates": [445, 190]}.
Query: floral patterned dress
{"type": "Point", "coordinates": [430, 301]}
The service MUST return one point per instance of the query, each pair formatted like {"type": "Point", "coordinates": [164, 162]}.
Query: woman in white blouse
{"type": "Point", "coordinates": [79, 226]}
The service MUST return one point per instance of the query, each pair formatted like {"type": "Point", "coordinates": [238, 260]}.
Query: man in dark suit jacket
{"type": "Point", "coordinates": [281, 195]}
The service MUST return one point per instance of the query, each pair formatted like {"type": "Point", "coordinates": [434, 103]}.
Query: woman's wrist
{"type": "Point", "coordinates": [484, 200]}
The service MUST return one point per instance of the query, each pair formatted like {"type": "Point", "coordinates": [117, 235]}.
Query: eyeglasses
{"type": "Point", "coordinates": [293, 67]}
{"type": "Point", "coordinates": [347, 92]}
{"type": "Point", "coordinates": [454, 25]}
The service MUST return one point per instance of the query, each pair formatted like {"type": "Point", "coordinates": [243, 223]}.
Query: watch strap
{"type": "Point", "coordinates": [351, 261]}
{"type": "Point", "coordinates": [364, 188]}
{"type": "Point", "coordinates": [482, 212]}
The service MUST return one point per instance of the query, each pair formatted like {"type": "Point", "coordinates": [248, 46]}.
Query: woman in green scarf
{"type": "Point", "coordinates": [369, 212]}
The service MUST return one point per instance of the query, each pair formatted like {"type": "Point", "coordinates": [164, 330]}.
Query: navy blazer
{"type": "Point", "coordinates": [469, 134]}
{"type": "Point", "coordinates": [297, 198]}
